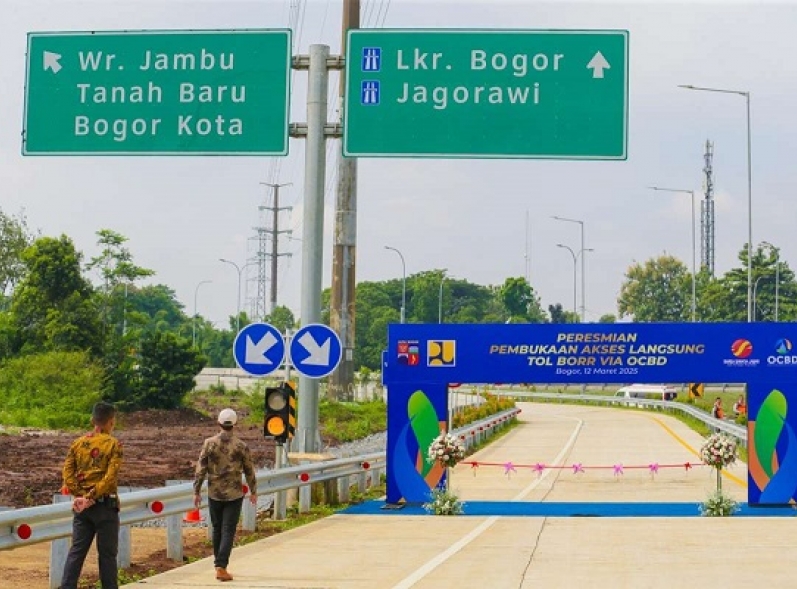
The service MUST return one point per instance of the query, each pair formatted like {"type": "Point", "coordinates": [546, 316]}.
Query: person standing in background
{"type": "Point", "coordinates": [223, 459]}
{"type": "Point", "coordinates": [740, 407]}
{"type": "Point", "coordinates": [717, 411]}
{"type": "Point", "coordinates": [90, 474]}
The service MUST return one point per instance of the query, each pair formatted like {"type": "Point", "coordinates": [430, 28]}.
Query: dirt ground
{"type": "Point", "coordinates": [158, 445]}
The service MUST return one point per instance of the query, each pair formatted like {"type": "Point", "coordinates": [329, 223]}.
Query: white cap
{"type": "Point", "coordinates": [228, 417]}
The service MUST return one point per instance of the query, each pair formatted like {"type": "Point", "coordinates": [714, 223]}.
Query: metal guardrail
{"type": "Point", "coordinates": [732, 429]}
{"type": "Point", "coordinates": [30, 525]}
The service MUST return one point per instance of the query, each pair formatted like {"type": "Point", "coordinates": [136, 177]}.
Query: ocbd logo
{"type": "Point", "coordinates": [783, 355]}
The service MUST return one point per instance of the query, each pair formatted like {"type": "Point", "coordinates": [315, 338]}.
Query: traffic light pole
{"type": "Point", "coordinates": [280, 497]}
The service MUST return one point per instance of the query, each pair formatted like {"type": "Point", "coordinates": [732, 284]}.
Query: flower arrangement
{"type": "Point", "coordinates": [446, 449]}
{"type": "Point", "coordinates": [718, 505]}
{"type": "Point", "coordinates": [718, 451]}
{"type": "Point", "coordinates": [443, 502]}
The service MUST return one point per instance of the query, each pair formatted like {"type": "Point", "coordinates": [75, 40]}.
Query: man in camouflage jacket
{"type": "Point", "coordinates": [224, 458]}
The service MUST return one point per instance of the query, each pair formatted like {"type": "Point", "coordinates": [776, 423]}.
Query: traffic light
{"type": "Point", "coordinates": [280, 420]}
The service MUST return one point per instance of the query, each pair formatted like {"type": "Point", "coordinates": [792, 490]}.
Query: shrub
{"type": "Point", "coordinates": [50, 390]}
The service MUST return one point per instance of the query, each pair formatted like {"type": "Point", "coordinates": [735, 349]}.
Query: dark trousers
{"type": "Point", "coordinates": [224, 517]}
{"type": "Point", "coordinates": [103, 522]}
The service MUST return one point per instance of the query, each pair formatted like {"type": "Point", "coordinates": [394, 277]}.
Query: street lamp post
{"type": "Point", "coordinates": [575, 274]}
{"type": "Point", "coordinates": [746, 95]}
{"type": "Point", "coordinates": [403, 282]}
{"type": "Point", "coordinates": [583, 268]}
{"type": "Point", "coordinates": [777, 286]}
{"type": "Point", "coordinates": [196, 292]}
{"type": "Point", "coordinates": [694, 275]}
{"type": "Point", "coordinates": [440, 301]}
{"type": "Point", "coordinates": [755, 294]}
{"type": "Point", "coordinates": [575, 269]}
{"type": "Point", "coordinates": [777, 276]}
{"type": "Point", "coordinates": [239, 269]}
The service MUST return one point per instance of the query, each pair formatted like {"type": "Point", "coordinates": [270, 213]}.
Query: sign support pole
{"type": "Point", "coordinates": [307, 433]}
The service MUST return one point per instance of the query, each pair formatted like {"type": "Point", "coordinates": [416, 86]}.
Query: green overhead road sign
{"type": "Point", "coordinates": [486, 94]}
{"type": "Point", "coordinates": [157, 93]}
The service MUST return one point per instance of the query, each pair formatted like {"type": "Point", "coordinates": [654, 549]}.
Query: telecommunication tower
{"type": "Point", "coordinates": [707, 213]}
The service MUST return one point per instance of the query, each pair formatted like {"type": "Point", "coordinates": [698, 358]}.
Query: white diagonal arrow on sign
{"type": "Point", "coordinates": [597, 64]}
{"type": "Point", "coordinates": [51, 61]}
{"type": "Point", "coordinates": [256, 352]}
{"type": "Point", "coordinates": [319, 355]}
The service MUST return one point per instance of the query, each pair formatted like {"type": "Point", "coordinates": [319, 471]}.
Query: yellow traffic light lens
{"type": "Point", "coordinates": [275, 426]}
{"type": "Point", "coordinates": [276, 401]}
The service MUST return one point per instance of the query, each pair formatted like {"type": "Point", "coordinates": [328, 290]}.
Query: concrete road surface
{"type": "Point", "coordinates": [398, 550]}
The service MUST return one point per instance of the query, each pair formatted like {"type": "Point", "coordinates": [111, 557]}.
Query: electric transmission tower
{"type": "Point", "coordinates": [707, 213]}
{"type": "Point", "coordinates": [266, 257]}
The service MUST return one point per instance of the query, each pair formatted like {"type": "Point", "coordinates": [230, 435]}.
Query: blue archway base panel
{"type": "Point", "coordinates": [520, 509]}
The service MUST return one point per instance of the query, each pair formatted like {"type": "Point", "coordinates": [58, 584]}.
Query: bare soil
{"type": "Point", "coordinates": [158, 446]}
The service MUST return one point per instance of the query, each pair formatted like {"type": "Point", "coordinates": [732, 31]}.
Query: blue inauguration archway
{"type": "Point", "coordinates": [422, 359]}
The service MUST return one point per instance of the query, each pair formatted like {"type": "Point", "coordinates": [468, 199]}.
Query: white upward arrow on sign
{"type": "Point", "coordinates": [597, 64]}
{"type": "Point", "coordinates": [51, 61]}
{"type": "Point", "coordinates": [319, 355]}
{"type": "Point", "coordinates": [256, 352]}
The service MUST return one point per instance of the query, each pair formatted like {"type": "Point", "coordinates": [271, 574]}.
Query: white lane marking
{"type": "Point", "coordinates": [435, 562]}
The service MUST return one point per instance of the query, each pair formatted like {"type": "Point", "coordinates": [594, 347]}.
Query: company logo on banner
{"type": "Point", "coordinates": [783, 355]}
{"type": "Point", "coordinates": [408, 353]}
{"type": "Point", "coordinates": [741, 349]}
{"type": "Point", "coordinates": [441, 353]}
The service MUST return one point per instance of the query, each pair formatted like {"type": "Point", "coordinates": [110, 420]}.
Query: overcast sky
{"type": "Point", "coordinates": [182, 214]}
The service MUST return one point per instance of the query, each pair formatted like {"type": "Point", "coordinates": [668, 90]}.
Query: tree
{"type": "Point", "coordinates": [375, 311]}
{"type": "Point", "coordinates": [281, 317]}
{"type": "Point", "coordinates": [607, 318]}
{"type": "Point", "coordinates": [559, 315]}
{"type": "Point", "coordinates": [425, 287]}
{"type": "Point", "coordinates": [158, 307]}
{"type": "Point", "coordinates": [465, 302]}
{"type": "Point", "coordinates": [770, 301]}
{"type": "Point", "coordinates": [15, 238]}
{"type": "Point", "coordinates": [52, 307]}
{"type": "Point", "coordinates": [167, 367]}
{"type": "Point", "coordinates": [520, 302]}
{"type": "Point", "coordinates": [117, 272]}
{"type": "Point", "coordinates": [725, 298]}
{"type": "Point", "coordinates": [659, 290]}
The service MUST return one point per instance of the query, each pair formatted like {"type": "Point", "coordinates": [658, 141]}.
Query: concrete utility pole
{"type": "Point", "coordinates": [275, 231]}
{"type": "Point", "coordinates": [308, 438]}
{"type": "Point", "coordinates": [342, 295]}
